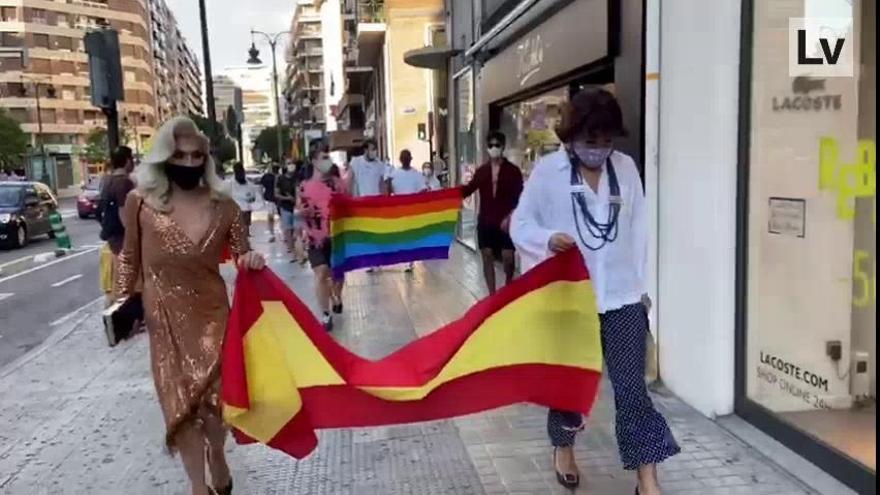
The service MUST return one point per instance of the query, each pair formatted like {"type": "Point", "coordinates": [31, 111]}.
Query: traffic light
{"type": "Point", "coordinates": [423, 133]}
{"type": "Point", "coordinates": [105, 68]}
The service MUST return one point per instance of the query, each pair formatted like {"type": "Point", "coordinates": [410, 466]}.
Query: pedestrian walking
{"type": "Point", "coordinates": [406, 180]}
{"type": "Point", "coordinates": [432, 183]}
{"type": "Point", "coordinates": [244, 194]}
{"type": "Point", "coordinates": [267, 183]}
{"type": "Point", "coordinates": [314, 202]}
{"type": "Point", "coordinates": [500, 184]}
{"type": "Point", "coordinates": [369, 175]}
{"type": "Point", "coordinates": [114, 190]}
{"type": "Point", "coordinates": [286, 187]}
{"type": "Point", "coordinates": [589, 196]}
{"type": "Point", "coordinates": [178, 221]}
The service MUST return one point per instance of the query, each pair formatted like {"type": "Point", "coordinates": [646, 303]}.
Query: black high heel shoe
{"type": "Point", "coordinates": [570, 481]}
{"type": "Point", "coordinates": [227, 490]}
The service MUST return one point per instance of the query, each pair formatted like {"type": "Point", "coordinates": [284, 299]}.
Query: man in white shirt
{"type": "Point", "coordinates": [368, 174]}
{"type": "Point", "coordinates": [406, 180]}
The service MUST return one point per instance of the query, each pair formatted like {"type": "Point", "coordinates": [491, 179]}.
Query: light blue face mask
{"type": "Point", "coordinates": [592, 157]}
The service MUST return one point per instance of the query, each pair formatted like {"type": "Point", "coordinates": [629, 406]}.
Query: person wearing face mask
{"type": "Point", "coordinates": [243, 193]}
{"type": "Point", "coordinates": [314, 202]}
{"type": "Point", "coordinates": [406, 180]}
{"type": "Point", "coordinates": [587, 196]}
{"type": "Point", "coordinates": [432, 183]}
{"type": "Point", "coordinates": [178, 221]}
{"type": "Point", "coordinates": [499, 183]}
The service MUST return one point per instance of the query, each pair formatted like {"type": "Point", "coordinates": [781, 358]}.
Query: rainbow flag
{"type": "Point", "coordinates": [386, 230]}
{"type": "Point", "coordinates": [536, 340]}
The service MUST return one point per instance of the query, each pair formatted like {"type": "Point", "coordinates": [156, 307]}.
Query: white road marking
{"type": "Point", "coordinates": [75, 312]}
{"type": "Point", "coordinates": [6, 295]}
{"type": "Point", "coordinates": [68, 213]}
{"type": "Point", "coordinates": [13, 262]}
{"type": "Point", "coordinates": [67, 280]}
{"type": "Point", "coordinates": [59, 260]}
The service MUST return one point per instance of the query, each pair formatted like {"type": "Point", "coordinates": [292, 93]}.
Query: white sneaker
{"type": "Point", "coordinates": [327, 321]}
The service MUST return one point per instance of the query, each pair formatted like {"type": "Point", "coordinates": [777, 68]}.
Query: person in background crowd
{"type": "Point", "coordinates": [589, 196]}
{"type": "Point", "coordinates": [431, 181]}
{"type": "Point", "coordinates": [4, 176]}
{"type": "Point", "coordinates": [243, 194]}
{"type": "Point", "coordinates": [267, 182]}
{"type": "Point", "coordinates": [114, 188]}
{"type": "Point", "coordinates": [178, 221]}
{"type": "Point", "coordinates": [285, 195]}
{"type": "Point", "coordinates": [369, 174]}
{"type": "Point", "coordinates": [314, 202]}
{"type": "Point", "coordinates": [499, 183]}
{"type": "Point", "coordinates": [406, 180]}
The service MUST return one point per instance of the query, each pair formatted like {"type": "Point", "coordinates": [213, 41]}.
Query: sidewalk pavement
{"type": "Point", "coordinates": [80, 418]}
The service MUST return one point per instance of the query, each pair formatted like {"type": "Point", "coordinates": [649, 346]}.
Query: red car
{"type": "Point", "coordinates": [87, 202]}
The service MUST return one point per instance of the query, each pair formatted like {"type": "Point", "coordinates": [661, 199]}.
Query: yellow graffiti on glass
{"type": "Point", "coordinates": [848, 181]}
{"type": "Point", "coordinates": [864, 280]}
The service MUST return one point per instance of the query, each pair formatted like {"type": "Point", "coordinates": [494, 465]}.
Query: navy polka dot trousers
{"type": "Point", "coordinates": [643, 437]}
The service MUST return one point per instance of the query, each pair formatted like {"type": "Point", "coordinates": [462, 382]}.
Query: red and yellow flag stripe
{"type": "Point", "coordinates": [536, 340]}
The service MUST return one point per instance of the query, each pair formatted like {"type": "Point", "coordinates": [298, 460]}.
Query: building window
{"type": "Point", "coordinates": [810, 356]}
{"type": "Point", "coordinates": [41, 40]}
{"type": "Point", "coordinates": [64, 43]}
{"type": "Point", "coordinates": [530, 127]}
{"type": "Point", "coordinates": [8, 14]}
{"type": "Point", "coordinates": [10, 40]}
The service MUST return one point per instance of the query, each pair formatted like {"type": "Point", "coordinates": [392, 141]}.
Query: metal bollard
{"type": "Point", "coordinates": [58, 231]}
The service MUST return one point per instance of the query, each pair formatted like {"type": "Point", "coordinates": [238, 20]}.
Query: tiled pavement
{"type": "Point", "coordinates": [81, 418]}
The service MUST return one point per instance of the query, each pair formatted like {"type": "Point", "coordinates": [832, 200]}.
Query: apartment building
{"type": "Point", "coordinates": [385, 98]}
{"type": "Point", "coordinates": [257, 108]}
{"type": "Point", "coordinates": [178, 77]}
{"type": "Point", "coordinates": [50, 35]}
{"type": "Point", "coordinates": [304, 84]}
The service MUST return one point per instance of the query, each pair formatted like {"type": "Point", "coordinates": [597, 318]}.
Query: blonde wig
{"type": "Point", "coordinates": [151, 180]}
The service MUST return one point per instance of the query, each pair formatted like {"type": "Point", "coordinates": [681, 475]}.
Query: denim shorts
{"type": "Point", "coordinates": [290, 220]}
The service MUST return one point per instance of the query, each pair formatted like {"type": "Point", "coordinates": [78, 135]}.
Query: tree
{"type": "Point", "coordinates": [226, 151]}
{"type": "Point", "coordinates": [267, 143]}
{"type": "Point", "coordinates": [231, 121]}
{"type": "Point", "coordinates": [13, 141]}
{"type": "Point", "coordinates": [214, 130]}
{"type": "Point", "coordinates": [97, 148]}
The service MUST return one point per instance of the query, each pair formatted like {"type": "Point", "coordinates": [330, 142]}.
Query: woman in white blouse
{"type": "Point", "coordinates": [588, 196]}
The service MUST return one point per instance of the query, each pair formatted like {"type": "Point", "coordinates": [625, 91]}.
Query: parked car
{"type": "Point", "coordinates": [89, 200]}
{"type": "Point", "coordinates": [24, 212]}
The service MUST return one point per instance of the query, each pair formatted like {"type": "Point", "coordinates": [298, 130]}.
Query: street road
{"type": "Point", "coordinates": [33, 299]}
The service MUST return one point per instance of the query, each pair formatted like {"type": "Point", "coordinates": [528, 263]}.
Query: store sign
{"type": "Point", "coordinates": [808, 94]}
{"type": "Point", "coordinates": [530, 52]}
{"type": "Point", "coordinates": [787, 217]}
{"type": "Point", "coordinates": [794, 380]}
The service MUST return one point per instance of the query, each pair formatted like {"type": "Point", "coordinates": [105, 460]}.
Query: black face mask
{"type": "Point", "coordinates": [186, 178]}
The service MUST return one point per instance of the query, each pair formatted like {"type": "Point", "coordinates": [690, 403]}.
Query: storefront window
{"type": "Point", "coordinates": [811, 352]}
{"type": "Point", "coordinates": [530, 127]}
{"type": "Point", "coordinates": [466, 153]}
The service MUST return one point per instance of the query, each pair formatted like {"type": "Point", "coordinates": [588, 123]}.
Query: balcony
{"type": "Point", "coordinates": [370, 11]}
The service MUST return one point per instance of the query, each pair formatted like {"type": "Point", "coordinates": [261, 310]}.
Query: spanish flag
{"type": "Point", "coordinates": [536, 340]}
{"type": "Point", "coordinates": [386, 230]}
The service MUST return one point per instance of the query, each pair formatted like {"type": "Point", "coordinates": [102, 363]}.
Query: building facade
{"type": "Point", "coordinates": [257, 108]}
{"type": "Point", "coordinates": [304, 86]}
{"type": "Point", "coordinates": [178, 77]}
{"type": "Point", "coordinates": [51, 34]}
{"type": "Point", "coordinates": [760, 178]}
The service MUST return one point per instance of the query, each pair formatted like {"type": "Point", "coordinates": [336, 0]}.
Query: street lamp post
{"type": "Point", "coordinates": [272, 39]}
{"type": "Point", "coordinates": [50, 91]}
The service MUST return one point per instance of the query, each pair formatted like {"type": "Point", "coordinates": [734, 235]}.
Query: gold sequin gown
{"type": "Point", "coordinates": [185, 303]}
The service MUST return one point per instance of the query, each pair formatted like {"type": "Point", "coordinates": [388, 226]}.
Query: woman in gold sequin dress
{"type": "Point", "coordinates": [177, 223]}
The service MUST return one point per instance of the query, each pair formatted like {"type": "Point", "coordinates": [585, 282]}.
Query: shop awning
{"type": "Point", "coordinates": [346, 140]}
{"type": "Point", "coordinates": [430, 57]}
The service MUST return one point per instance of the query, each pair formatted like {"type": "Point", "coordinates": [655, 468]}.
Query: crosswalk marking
{"type": "Point", "coordinates": [6, 295]}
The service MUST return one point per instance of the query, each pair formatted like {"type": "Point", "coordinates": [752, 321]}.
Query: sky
{"type": "Point", "coordinates": [229, 25]}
